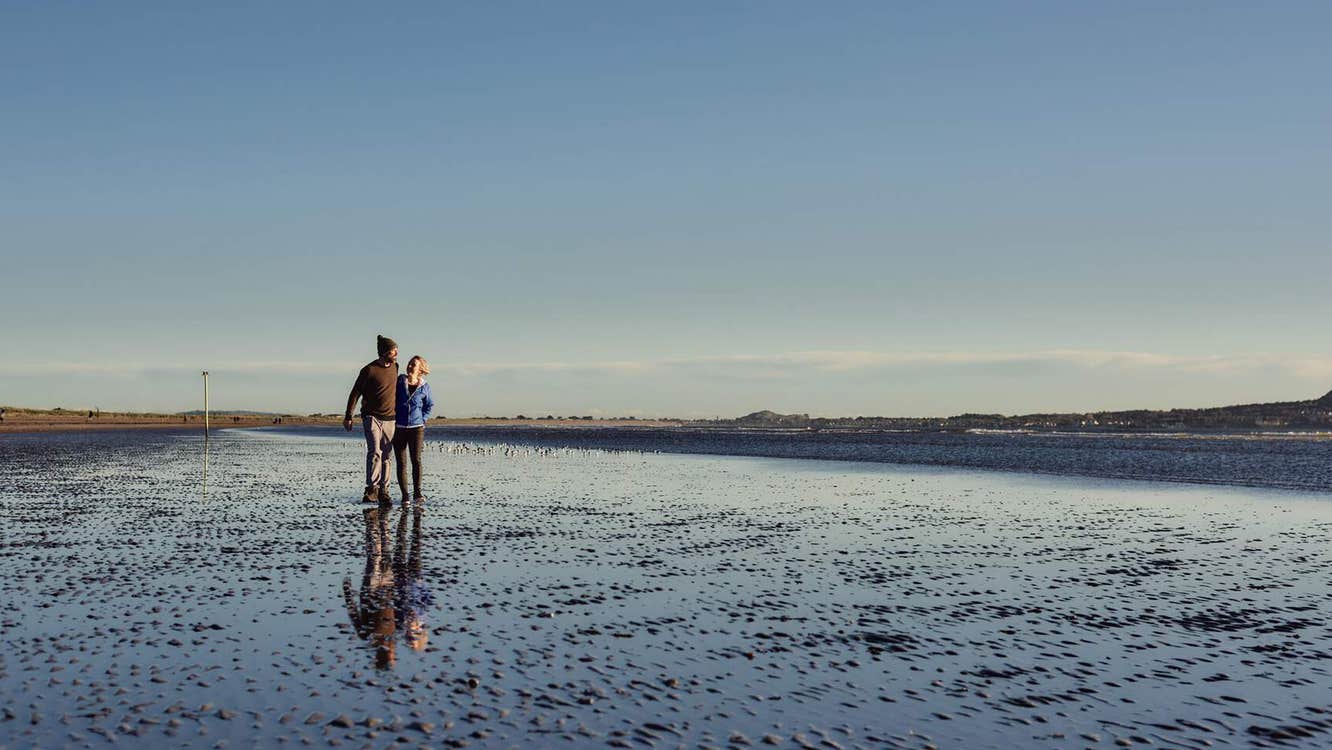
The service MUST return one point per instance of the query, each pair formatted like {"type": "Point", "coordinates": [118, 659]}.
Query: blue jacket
{"type": "Point", "coordinates": [413, 410]}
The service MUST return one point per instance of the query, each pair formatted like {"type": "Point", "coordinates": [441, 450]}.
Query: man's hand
{"type": "Point", "coordinates": [347, 423]}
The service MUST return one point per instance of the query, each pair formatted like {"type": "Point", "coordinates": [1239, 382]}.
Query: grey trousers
{"type": "Point", "coordinates": [378, 448]}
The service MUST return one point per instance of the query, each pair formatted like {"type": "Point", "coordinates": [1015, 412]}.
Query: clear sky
{"type": "Point", "coordinates": [667, 208]}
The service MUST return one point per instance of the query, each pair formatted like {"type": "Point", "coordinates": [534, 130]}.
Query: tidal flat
{"type": "Point", "coordinates": [163, 590]}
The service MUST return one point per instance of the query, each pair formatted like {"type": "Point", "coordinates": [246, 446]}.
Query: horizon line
{"type": "Point", "coordinates": [661, 418]}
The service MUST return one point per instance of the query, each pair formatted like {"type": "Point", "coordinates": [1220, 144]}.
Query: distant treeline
{"type": "Point", "coordinates": [1311, 414]}
{"type": "Point", "coordinates": [549, 417]}
{"type": "Point", "coordinates": [516, 418]}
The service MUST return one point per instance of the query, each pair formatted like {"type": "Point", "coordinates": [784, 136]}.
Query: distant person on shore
{"type": "Point", "coordinates": [375, 386]}
{"type": "Point", "coordinates": [413, 406]}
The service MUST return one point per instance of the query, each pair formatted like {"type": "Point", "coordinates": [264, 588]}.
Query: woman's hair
{"type": "Point", "coordinates": [425, 368]}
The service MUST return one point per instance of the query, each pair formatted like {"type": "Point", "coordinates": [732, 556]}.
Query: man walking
{"type": "Point", "coordinates": [376, 386]}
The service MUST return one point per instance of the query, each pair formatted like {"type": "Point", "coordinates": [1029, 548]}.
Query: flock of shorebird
{"type": "Point", "coordinates": [522, 451]}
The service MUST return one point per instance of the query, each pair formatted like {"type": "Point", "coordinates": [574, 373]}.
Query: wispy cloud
{"type": "Point", "coordinates": [473, 369]}
{"type": "Point", "coordinates": [1302, 365]}
{"type": "Point", "coordinates": [132, 369]}
{"type": "Point", "coordinates": [841, 361]}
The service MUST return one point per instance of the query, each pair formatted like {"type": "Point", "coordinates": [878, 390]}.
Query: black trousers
{"type": "Point", "coordinates": [409, 440]}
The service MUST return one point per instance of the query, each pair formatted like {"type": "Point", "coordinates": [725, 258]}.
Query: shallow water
{"type": "Point", "coordinates": [1289, 461]}
{"type": "Point", "coordinates": [582, 598]}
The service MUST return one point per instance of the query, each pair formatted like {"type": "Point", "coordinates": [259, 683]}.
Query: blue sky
{"type": "Point", "coordinates": [689, 209]}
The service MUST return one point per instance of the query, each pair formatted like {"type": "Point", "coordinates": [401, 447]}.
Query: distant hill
{"type": "Point", "coordinates": [1312, 414]}
{"type": "Point", "coordinates": [772, 419]}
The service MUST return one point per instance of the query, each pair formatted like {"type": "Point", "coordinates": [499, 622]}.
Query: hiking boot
{"type": "Point", "coordinates": [384, 497]}
{"type": "Point", "coordinates": [369, 496]}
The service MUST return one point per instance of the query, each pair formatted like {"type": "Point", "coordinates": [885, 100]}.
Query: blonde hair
{"type": "Point", "coordinates": [425, 367]}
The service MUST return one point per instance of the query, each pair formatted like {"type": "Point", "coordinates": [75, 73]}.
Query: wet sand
{"type": "Point", "coordinates": [588, 598]}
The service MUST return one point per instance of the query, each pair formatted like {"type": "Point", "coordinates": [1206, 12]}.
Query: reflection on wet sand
{"type": "Point", "coordinates": [205, 465]}
{"type": "Point", "coordinates": [620, 599]}
{"type": "Point", "coordinates": [393, 596]}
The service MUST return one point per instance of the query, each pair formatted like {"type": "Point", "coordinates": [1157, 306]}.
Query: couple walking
{"type": "Point", "coordinates": [394, 410]}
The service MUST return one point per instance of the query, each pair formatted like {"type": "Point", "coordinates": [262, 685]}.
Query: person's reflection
{"type": "Point", "coordinates": [372, 616]}
{"type": "Point", "coordinates": [413, 596]}
{"type": "Point", "coordinates": [393, 594]}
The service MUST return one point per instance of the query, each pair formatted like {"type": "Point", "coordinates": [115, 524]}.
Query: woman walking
{"type": "Point", "coordinates": [414, 406]}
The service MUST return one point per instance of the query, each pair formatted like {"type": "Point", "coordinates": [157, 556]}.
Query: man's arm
{"type": "Point", "coordinates": [351, 400]}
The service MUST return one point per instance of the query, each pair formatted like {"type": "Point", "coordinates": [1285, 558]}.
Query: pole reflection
{"type": "Point", "coordinates": [205, 466]}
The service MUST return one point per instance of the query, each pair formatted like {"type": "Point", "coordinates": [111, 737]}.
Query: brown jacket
{"type": "Point", "coordinates": [376, 385]}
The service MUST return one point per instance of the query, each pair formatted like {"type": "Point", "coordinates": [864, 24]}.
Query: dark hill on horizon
{"type": "Point", "coordinates": [1311, 414]}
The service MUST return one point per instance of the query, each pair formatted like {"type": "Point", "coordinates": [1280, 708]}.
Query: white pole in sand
{"type": "Point", "coordinates": [205, 377]}
{"type": "Point", "coordinates": [205, 450]}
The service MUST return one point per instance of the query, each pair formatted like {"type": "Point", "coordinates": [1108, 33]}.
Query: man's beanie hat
{"type": "Point", "coordinates": [385, 345]}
